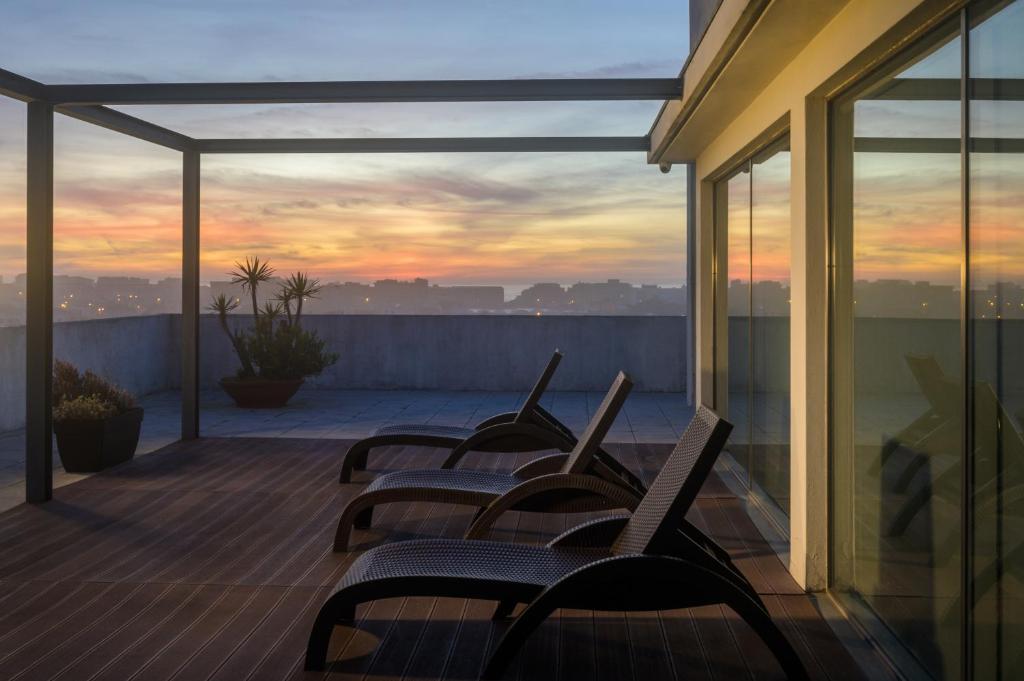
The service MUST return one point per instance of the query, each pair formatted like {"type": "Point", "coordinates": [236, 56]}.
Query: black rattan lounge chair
{"type": "Point", "coordinates": [640, 563]}
{"type": "Point", "coordinates": [585, 479]}
{"type": "Point", "coordinates": [530, 429]}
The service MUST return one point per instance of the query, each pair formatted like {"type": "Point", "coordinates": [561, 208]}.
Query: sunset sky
{"type": "Point", "coordinates": [470, 218]}
{"type": "Point", "coordinates": [490, 218]}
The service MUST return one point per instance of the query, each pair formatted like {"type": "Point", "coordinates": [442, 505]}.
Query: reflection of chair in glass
{"type": "Point", "coordinates": [995, 439]}
{"type": "Point", "coordinates": [640, 563]}
{"type": "Point", "coordinates": [936, 431]}
{"type": "Point", "coordinates": [529, 429]}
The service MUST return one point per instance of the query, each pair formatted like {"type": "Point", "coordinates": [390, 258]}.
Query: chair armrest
{"type": "Point", "coordinates": [529, 495]}
{"type": "Point", "coordinates": [497, 419]}
{"type": "Point", "coordinates": [542, 465]}
{"type": "Point", "coordinates": [518, 436]}
{"type": "Point", "coordinates": [598, 533]}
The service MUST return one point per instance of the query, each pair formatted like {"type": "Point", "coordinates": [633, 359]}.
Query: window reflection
{"type": "Point", "coordinates": [996, 215]}
{"type": "Point", "coordinates": [757, 228]}
{"type": "Point", "coordinates": [897, 427]}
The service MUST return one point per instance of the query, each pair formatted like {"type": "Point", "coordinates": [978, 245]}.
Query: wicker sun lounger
{"type": "Point", "coordinates": [585, 479]}
{"type": "Point", "coordinates": [640, 563]}
{"type": "Point", "coordinates": [530, 429]}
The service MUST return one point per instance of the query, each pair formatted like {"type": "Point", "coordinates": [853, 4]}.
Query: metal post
{"type": "Point", "coordinates": [190, 296]}
{"type": "Point", "coordinates": [39, 306]}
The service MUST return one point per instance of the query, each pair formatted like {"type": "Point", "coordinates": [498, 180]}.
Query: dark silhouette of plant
{"type": "Point", "coordinates": [85, 395]}
{"type": "Point", "coordinates": [275, 347]}
{"type": "Point", "coordinates": [250, 275]}
{"type": "Point", "coordinates": [222, 305]}
{"type": "Point", "coordinates": [300, 287]}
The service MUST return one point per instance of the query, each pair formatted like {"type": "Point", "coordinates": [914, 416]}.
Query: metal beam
{"type": "Point", "coordinates": [128, 125]}
{"type": "Point", "coordinates": [536, 90]}
{"type": "Point", "coordinates": [937, 145]}
{"type": "Point", "coordinates": [190, 296]}
{"type": "Point", "coordinates": [948, 89]}
{"type": "Point", "coordinates": [398, 145]}
{"type": "Point", "coordinates": [21, 88]}
{"type": "Point", "coordinates": [39, 305]}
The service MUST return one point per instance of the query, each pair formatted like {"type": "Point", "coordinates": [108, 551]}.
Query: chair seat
{"type": "Point", "coordinates": [425, 430]}
{"type": "Point", "coordinates": [522, 568]}
{"type": "Point", "coordinates": [453, 480]}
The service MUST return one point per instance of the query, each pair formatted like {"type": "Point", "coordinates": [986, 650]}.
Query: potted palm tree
{"type": "Point", "coordinates": [97, 425]}
{"type": "Point", "coordinates": [276, 354]}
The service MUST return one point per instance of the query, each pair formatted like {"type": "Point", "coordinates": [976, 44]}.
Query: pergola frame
{"type": "Point", "coordinates": [86, 103]}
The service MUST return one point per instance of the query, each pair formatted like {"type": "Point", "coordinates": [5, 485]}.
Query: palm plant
{"type": "Point", "coordinates": [274, 348]}
{"type": "Point", "coordinates": [223, 305]}
{"type": "Point", "coordinates": [299, 287]}
{"type": "Point", "coordinates": [250, 275]}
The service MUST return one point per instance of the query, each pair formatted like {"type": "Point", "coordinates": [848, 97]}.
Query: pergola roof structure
{"type": "Point", "coordinates": [88, 102]}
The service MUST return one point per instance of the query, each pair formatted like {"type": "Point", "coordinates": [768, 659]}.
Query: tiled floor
{"type": "Point", "coordinates": [348, 414]}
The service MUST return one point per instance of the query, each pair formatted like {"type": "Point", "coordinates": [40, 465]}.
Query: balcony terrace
{"type": "Point", "coordinates": [208, 560]}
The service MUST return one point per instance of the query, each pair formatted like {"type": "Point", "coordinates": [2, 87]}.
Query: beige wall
{"type": "Point", "coordinates": [860, 35]}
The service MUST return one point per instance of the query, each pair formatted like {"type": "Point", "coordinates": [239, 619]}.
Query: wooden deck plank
{"type": "Point", "coordinates": [209, 560]}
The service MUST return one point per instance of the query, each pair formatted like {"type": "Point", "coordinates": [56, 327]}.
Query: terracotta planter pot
{"type": "Point", "coordinates": [90, 446]}
{"type": "Point", "coordinates": [261, 393]}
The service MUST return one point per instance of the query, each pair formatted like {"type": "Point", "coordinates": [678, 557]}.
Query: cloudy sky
{"type": "Point", "coordinates": [488, 218]}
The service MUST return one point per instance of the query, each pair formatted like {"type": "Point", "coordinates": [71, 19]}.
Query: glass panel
{"type": "Point", "coordinates": [597, 237]}
{"type": "Point", "coordinates": [738, 297]}
{"type": "Point", "coordinates": [997, 325]}
{"type": "Point", "coordinates": [12, 303]}
{"type": "Point", "coordinates": [770, 229]}
{"type": "Point", "coordinates": [117, 272]}
{"type": "Point", "coordinates": [896, 360]}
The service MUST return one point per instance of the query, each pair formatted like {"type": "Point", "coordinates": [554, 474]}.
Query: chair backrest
{"type": "Point", "coordinates": [942, 392]}
{"type": "Point", "coordinates": [664, 507]}
{"type": "Point", "coordinates": [582, 454]}
{"type": "Point", "coordinates": [533, 399]}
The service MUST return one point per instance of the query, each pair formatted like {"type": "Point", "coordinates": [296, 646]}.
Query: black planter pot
{"type": "Point", "coordinates": [90, 446]}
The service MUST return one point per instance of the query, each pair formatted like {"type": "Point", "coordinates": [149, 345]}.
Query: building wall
{"type": "Point", "coordinates": [701, 13]}
{"type": "Point", "coordinates": [141, 354]}
{"type": "Point", "coordinates": [860, 35]}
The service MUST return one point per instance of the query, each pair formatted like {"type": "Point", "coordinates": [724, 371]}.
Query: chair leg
{"type": "Point", "coordinates": [517, 633]}
{"type": "Point", "coordinates": [364, 519]}
{"type": "Point", "coordinates": [357, 515]}
{"type": "Point", "coordinates": [334, 611]}
{"type": "Point", "coordinates": [355, 460]}
{"type": "Point", "coordinates": [503, 610]}
{"type": "Point", "coordinates": [766, 629]}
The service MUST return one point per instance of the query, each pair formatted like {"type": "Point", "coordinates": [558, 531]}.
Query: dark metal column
{"type": "Point", "coordinates": [39, 305]}
{"type": "Point", "coordinates": [190, 296]}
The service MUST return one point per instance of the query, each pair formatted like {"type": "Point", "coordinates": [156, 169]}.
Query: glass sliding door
{"type": "Point", "coordinates": [754, 225]}
{"type": "Point", "coordinates": [769, 323]}
{"type": "Point", "coordinates": [996, 259]}
{"type": "Point", "coordinates": [738, 297]}
{"type": "Point", "coordinates": [897, 425]}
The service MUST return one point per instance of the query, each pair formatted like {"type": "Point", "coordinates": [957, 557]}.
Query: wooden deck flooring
{"type": "Point", "coordinates": [208, 560]}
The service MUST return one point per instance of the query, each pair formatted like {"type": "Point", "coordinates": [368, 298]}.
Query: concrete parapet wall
{"type": "Point", "coordinates": [481, 352]}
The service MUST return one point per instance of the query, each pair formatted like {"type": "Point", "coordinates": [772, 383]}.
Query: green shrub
{"type": "Point", "coordinates": [86, 396]}
{"type": "Point", "coordinates": [84, 408]}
